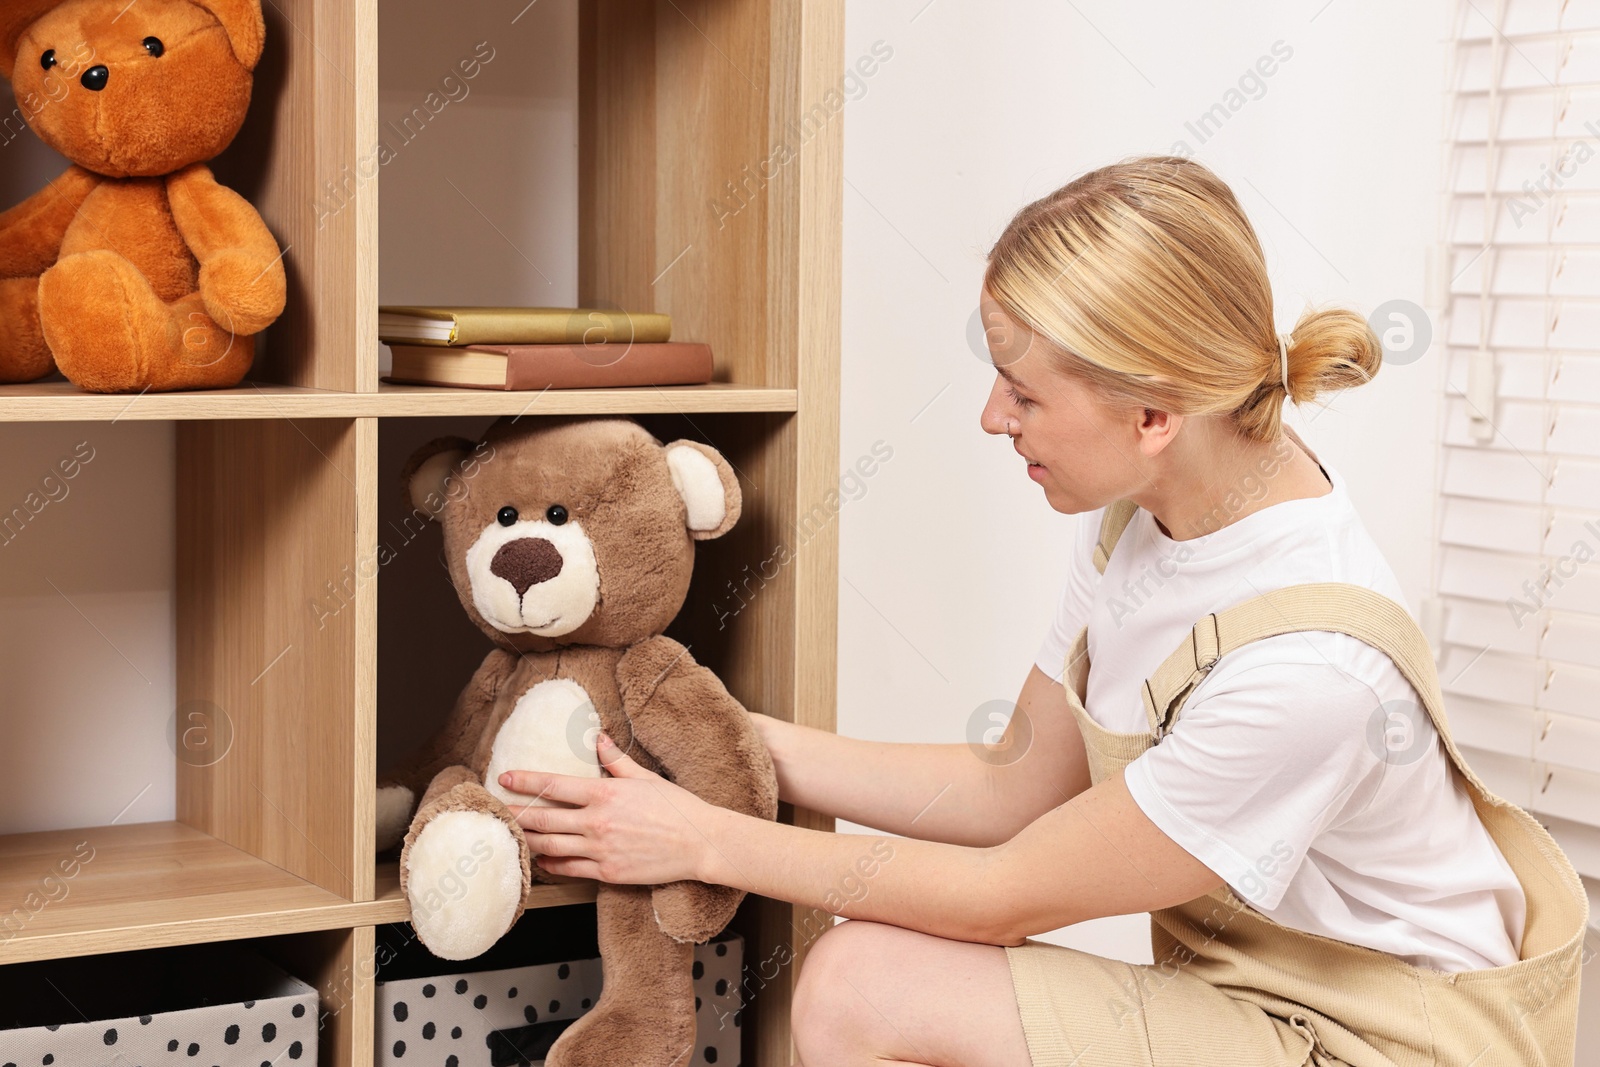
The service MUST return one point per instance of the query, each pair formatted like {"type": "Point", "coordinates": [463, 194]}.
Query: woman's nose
{"type": "Point", "coordinates": [994, 418]}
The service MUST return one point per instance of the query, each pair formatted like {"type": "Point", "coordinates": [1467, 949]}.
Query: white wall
{"type": "Point", "coordinates": [480, 205]}
{"type": "Point", "coordinates": [952, 560]}
{"type": "Point", "coordinates": [86, 617]}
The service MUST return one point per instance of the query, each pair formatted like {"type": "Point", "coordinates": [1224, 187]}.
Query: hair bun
{"type": "Point", "coordinates": [1334, 348]}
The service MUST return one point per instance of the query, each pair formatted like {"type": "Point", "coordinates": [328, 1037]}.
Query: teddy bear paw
{"type": "Point", "coordinates": [241, 293]}
{"type": "Point", "coordinates": [464, 882]}
{"type": "Point", "coordinates": [614, 1033]}
{"type": "Point", "coordinates": [394, 815]}
{"type": "Point", "coordinates": [694, 912]}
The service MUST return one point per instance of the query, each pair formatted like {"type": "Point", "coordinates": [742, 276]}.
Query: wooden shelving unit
{"type": "Point", "coordinates": [278, 481]}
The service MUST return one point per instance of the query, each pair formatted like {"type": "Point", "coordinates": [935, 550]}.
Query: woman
{"type": "Point", "coordinates": [1322, 884]}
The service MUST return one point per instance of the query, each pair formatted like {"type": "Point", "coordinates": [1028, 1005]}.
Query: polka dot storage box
{"type": "Point", "coordinates": [216, 1005]}
{"type": "Point", "coordinates": [506, 1007]}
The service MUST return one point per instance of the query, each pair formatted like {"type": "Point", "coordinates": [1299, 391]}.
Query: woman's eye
{"type": "Point", "coordinates": [556, 514]}
{"type": "Point", "coordinates": [48, 60]}
{"type": "Point", "coordinates": [1016, 398]}
{"type": "Point", "coordinates": [507, 515]}
{"type": "Point", "coordinates": [154, 46]}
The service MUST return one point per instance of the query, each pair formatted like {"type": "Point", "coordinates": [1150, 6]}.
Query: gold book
{"type": "Point", "coordinates": [518, 326]}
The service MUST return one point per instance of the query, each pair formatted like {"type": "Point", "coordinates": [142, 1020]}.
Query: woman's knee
{"type": "Point", "coordinates": [825, 995]}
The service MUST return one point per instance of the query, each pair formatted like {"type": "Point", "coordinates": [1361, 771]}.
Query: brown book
{"type": "Point", "coordinates": [553, 366]}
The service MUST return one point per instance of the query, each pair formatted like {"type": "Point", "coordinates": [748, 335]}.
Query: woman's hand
{"type": "Point", "coordinates": [634, 828]}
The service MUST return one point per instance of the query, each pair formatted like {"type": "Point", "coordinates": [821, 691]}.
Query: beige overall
{"type": "Point", "coordinates": [1230, 986]}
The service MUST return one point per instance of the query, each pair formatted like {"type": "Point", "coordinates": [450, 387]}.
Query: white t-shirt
{"type": "Point", "coordinates": [1275, 775]}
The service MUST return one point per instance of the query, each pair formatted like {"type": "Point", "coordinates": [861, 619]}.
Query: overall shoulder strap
{"type": "Point", "coordinates": [1112, 523]}
{"type": "Point", "coordinates": [1340, 607]}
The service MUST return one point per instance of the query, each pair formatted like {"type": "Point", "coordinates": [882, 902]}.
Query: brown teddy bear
{"type": "Point", "coordinates": [134, 270]}
{"type": "Point", "coordinates": [570, 542]}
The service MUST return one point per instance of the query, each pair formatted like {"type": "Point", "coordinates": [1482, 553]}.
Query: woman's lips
{"type": "Point", "coordinates": [1035, 470]}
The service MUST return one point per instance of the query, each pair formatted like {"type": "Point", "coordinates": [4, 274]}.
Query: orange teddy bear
{"type": "Point", "coordinates": [134, 270]}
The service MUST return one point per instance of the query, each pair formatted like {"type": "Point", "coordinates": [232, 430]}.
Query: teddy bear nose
{"type": "Point", "coordinates": [526, 562]}
{"type": "Point", "coordinates": [94, 79]}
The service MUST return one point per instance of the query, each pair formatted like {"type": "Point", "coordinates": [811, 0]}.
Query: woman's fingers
{"type": "Point", "coordinates": [570, 868]}
{"type": "Point", "coordinates": [566, 788]}
{"type": "Point", "coordinates": [548, 820]}
{"type": "Point", "coordinates": [617, 762]}
{"type": "Point", "coordinates": [556, 844]}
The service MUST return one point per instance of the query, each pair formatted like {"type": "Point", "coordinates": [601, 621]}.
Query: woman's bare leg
{"type": "Point", "coordinates": [879, 995]}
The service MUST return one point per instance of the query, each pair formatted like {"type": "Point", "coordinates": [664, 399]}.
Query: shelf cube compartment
{"type": "Point", "coordinates": [226, 1002]}
{"type": "Point", "coordinates": [738, 607]}
{"type": "Point", "coordinates": [511, 1004]}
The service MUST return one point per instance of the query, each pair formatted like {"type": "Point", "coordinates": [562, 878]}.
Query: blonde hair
{"type": "Point", "coordinates": [1145, 279]}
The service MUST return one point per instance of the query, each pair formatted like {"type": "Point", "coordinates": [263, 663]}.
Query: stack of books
{"type": "Point", "coordinates": [537, 348]}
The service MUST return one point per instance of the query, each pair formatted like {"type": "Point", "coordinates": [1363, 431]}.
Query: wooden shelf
{"type": "Point", "coordinates": [61, 401]}
{"type": "Point", "coordinates": [155, 884]}
{"type": "Point", "coordinates": [277, 542]}
{"type": "Point", "coordinates": [147, 885]}
{"type": "Point", "coordinates": [391, 907]}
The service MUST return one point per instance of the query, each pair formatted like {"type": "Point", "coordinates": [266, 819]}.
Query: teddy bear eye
{"type": "Point", "coordinates": [507, 515]}
{"type": "Point", "coordinates": [556, 514]}
{"type": "Point", "coordinates": [48, 60]}
{"type": "Point", "coordinates": [154, 46]}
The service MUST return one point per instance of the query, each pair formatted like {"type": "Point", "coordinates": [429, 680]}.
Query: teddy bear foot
{"type": "Point", "coordinates": [464, 881]}
{"type": "Point", "coordinates": [606, 1036]}
{"type": "Point", "coordinates": [111, 333]}
{"type": "Point", "coordinates": [24, 356]}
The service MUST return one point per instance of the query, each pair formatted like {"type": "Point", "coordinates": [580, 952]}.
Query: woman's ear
{"type": "Point", "coordinates": [242, 22]}
{"type": "Point", "coordinates": [709, 489]}
{"type": "Point", "coordinates": [426, 476]}
{"type": "Point", "coordinates": [15, 18]}
{"type": "Point", "coordinates": [1157, 429]}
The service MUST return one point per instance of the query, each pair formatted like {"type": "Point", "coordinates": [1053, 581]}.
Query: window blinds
{"type": "Point", "coordinates": [1515, 612]}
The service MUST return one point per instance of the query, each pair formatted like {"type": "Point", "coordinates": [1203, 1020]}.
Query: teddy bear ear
{"type": "Point", "coordinates": [15, 18]}
{"type": "Point", "coordinates": [707, 484]}
{"type": "Point", "coordinates": [242, 22]}
{"type": "Point", "coordinates": [423, 479]}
